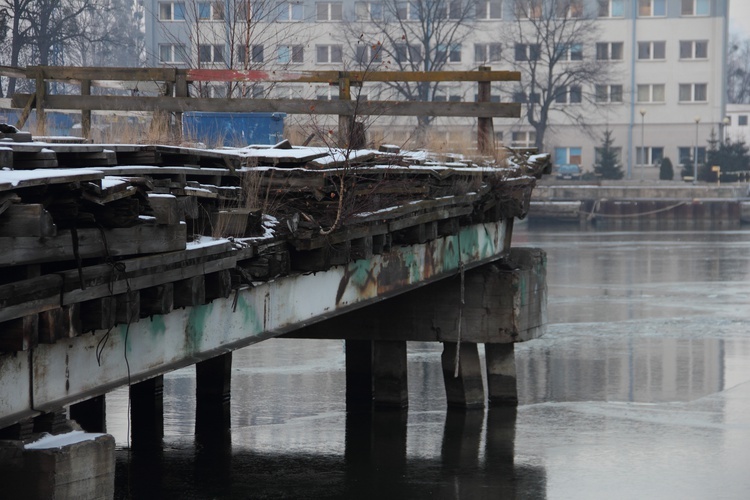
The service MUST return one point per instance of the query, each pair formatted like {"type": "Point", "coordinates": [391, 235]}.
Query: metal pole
{"type": "Point", "coordinates": [643, 147]}
{"type": "Point", "coordinates": [695, 155]}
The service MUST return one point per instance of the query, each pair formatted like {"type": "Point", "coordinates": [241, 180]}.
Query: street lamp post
{"type": "Point", "coordinates": [724, 133]}
{"type": "Point", "coordinates": [643, 148]}
{"type": "Point", "coordinates": [695, 155]}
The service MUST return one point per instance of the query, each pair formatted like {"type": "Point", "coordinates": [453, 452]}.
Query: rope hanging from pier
{"type": "Point", "coordinates": [461, 303]}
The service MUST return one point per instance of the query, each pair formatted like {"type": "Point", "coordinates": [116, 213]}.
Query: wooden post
{"type": "Point", "coordinates": [213, 379]}
{"type": "Point", "coordinates": [147, 412]}
{"type": "Point", "coordinates": [345, 94]}
{"type": "Point", "coordinates": [86, 113]}
{"type": "Point", "coordinates": [390, 381]}
{"type": "Point", "coordinates": [41, 91]}
{"type": "Point", "coordinates": [180, 90]}
{"type": "Point", "coordinates": [485, 128]}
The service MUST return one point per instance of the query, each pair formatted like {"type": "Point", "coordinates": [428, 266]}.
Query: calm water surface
{"type": "Point", "coordinates": [640, 389]}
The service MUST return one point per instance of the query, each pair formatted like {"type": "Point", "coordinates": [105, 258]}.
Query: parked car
{"type": "Point", "coordinates": [569, 171]}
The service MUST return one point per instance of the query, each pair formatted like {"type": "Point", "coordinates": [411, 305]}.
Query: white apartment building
{"type": "Point", "coordinates": [663, 96]}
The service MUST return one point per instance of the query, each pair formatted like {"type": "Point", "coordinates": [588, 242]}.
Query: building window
{"type": "Point", "coordinates": [211, 11]}
{"type": "Point", "coordinates": [290, 54]}
{"type": "Point", "coordinates": [694, 49]}
{"type": "Point", "coordinates": [288, 92]}
{"type": "Point", "coordinates": [608, 93]}
{"type": "Point", "coordinates": [609, 51]}
{"type": "Point", "coordinates": [695, 8]}
{"type": "Point", "coordinates": [172, 53]}
{"type": "Point", "coordinates": [448, 94]}
{"type": "Point", "coordinates": [686, 154]}
{"type": "Point", "coordinates": [523, 97]}
{"type": "Point", "coordinates": [693, 92]}
{"type": "Point", "coordinates": [489, 9]}
{"type": "Point", "coordinates": [650, 93]}
{"type": "Point", "coordinates": [568, 155]}
{"type": "Point", "coordinates": [366, 54]}
{"type": "Point", "coordinates": [568, 95]}
{"type": "Point", "coordinates": [568, 8]}
{"type": "Point", "coordinates": [570, 52]}
{"type": "Point", "coordinates": [653, 156]}
{"type": "Point", "coordinates": [611, 8]}
{"type": "Point", "coordinates": [652, 50]}
{"type": "Point", "coordinates": [487, 52]}
{"type": "Point", "coordinates": [256, 54]}
{"type": "Point", "coordinates": [325, 54]}
{"type": "Point", "coordinates": [529, 9]}
{"type": "Point", "coordinates": [408, 53]}
{"type": "Point", "coordinates": [742, 120]}
{"type": "Point", "coordinates": [368, 11]}
{"type": "Point", "coordinates": [210, 53]}
{"type": "Point", "coordinates": [528, 51]}
{"type": "Point", "coordinates": [652, 8]}
{"type": "Point", "coordinates": [523, 139]}
{"type": "Point", "coordinates": [171, 11]}
{"type": "Point", "coordinates": [449, 53]}
{"type": "Point", "coordinates": [329, 11]}
{"type": "Point", "coordinates": [408, 11]}
{"type": "Point", "coordinates": [290, 11]}
{"type": "Point", "coordinates": [450, 9]}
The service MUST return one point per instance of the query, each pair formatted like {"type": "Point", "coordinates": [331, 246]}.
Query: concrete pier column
{"type": "Point", "coordinates": [389, 380]}
{"type": "Point", "coordinates": [91, 414]}
{"type": "Point", "coordinates": [501, 374]}
{"type": "Point", "coordinates": [358, 374]}
{"type": "Point", "coordinates": [212, 394]}
{"type": "Point", "coordinates": [462, 435]}
{"type": "Point", "coordinates": [466, 390]}
{"type": "Point", "coordinates": [147, 412]}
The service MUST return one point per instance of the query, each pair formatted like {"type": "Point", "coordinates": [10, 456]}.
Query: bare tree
{"type": "Point", "coordinates": [552, 44]}
{"type": "Point", "coordinates": [419, 35]}
{"type": "Point", "coordinates": [738, 70]}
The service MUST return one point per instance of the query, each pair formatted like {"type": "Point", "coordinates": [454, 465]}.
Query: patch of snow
{"type": "Point", "coordinates": [48, 441]}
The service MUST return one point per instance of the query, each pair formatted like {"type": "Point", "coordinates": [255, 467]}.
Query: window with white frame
{"type": "Point", "coordinates": [408, 11]}
{"type": "Point", "coordinates": [652, 8]}
{"type": "Point", "coordinates": [366, 54]}
{"type": "Point", "coordinates": [523, 97]}
{"type": "Point", "coordinates": [609, 51]}
{"type": "Point", "coordinates": [211, 11]}
{"type": "Point", "coordinates": [172, 53]}
{"type": "Point", "coordinates": [171, 11]}
{"type": "Point", "coordinates": [649, 155]}
{"type": "Point", "coordinates": [449, 53]}
{"type": "Point", "coordinates": [523, 139]}
{"type": "Point", "coordinates": [693, 92]}
{"type": "Point", "coordinates": [328, 11]}
{"type": "Point", "coordinates": [288, 92]}
{"type": "Point", "coordinates": [608, 93]}
{"type": "Point", "coordinates": [569, 8]}
{"type": "Point", "coordinates": [686, 154]}
{"type": "Point", "coordinates": [450, 9]}
{"type": "Point", "coordinates": [565, 156]}
{"type": "Point", "coordinates": [693, 49]}
{"type": "Point", "coordinates": [256, 54]}
{"type": "Point", "coordinates": [368, 11]}
{"type": "Point", "coordinates": [290, 11]}
{"type": "Point", "coordinates": [487, 52]}
{"type": "Point", "coordinates": [450, 94]}
{"type": "Point", "coordinates": [408, 53]}
{"type": "Point", "coordinates": [489, 9]}
{"type": "Point", "coordinates": [290, 54]}
{"type": "Point", "coordinates": [570, 52]}
{"type": "Point", "coordinates": [529, 9]}
{"type": "Point", "coordinates": [651, 92]}
{"type": "Point", "coordinates": [611, 8]}
{"type": "Point", "coordinates": [528, 51]}
{"type": "Point", "coordinates": [742, 121]}
{"type": "Point", "coordinates": [695, 8]}
{"type": "Point", "coordinates": [327, 93]}
{"type": "Point", "coordinates": [652, 50]}
{"type": "Point", "coordinates": [568, 94]}
{"type": "Point", "coordinates": [210, 53]}
{"type": "Point", "coordinates": [327, 54]}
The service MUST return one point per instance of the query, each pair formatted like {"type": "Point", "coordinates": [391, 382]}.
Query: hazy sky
{"type": "Point", "coordinates": [739, 16]}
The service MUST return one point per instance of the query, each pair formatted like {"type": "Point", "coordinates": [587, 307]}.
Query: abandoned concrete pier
{"type": "Point", "coordinates": [153, 258]}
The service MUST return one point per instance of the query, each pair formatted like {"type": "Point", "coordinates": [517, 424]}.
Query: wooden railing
{"type": "Point", "coordinates": [175, 96]}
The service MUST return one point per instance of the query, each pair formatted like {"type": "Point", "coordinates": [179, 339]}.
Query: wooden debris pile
{"type": "Point", "coordinates": [92, 236]}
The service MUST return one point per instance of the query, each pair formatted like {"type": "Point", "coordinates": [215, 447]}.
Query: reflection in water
{"type": "Point", "coordinates": [640, 389]}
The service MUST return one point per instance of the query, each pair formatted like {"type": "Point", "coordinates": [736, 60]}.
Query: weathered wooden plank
{"type": "Point", "coordinates": [190, 292]}
{"type": "Point", "coordinates": [98, 314]}
{"type": "Point", "coordinates": [20, 334]}
{"type": "Point", "coordinates": [167, 209]}
{"type": "Point", "coordinates": [30, 296]}
{"type": "Point", "coordinates": [76, 74]}
{"type": "Point", "coordinates": [157, 300]}
{"type": "Point", "coordinates": [290, 106]}
{"type": "Point", "coordinates": [128, 307]}
{"type": "Point", "coordinates": [21, 219]}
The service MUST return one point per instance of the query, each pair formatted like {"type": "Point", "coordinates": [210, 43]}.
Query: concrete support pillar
{"type": "Point", "coordinates": [358, 374]}
{"type": "Point", "coordinates": [461, 439]}
{"type": "Point", "coordinates": [375, 448]}
{"type": "Point", "coordinates": [389, 381]}
{"type": "Point", "coordinates": [147, 412]}
{"type": "Point", "coordinates": [501, 374]}
{"type": "Point", "coordinates": [91, 414]}
{"type": "Point", "coordinates": [499, 455]}
{"type": "Point", "coordinates": [466, 390]}
{"type": "Point", "coordinates": [212, 394]}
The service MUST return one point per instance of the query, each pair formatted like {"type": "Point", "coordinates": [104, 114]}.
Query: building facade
{"type": "Point", "coordinates": [662, 94]}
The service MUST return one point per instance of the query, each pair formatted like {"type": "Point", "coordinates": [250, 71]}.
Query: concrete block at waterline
{"type": "Point", "coordinates": [81, 467]}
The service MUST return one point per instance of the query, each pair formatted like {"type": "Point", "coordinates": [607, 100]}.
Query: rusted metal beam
{"type": "Point", "coordinates": [290, 106]}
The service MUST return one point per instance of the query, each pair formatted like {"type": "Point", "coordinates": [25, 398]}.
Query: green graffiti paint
{"type": "Point", "coordinates": [196, 325]}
